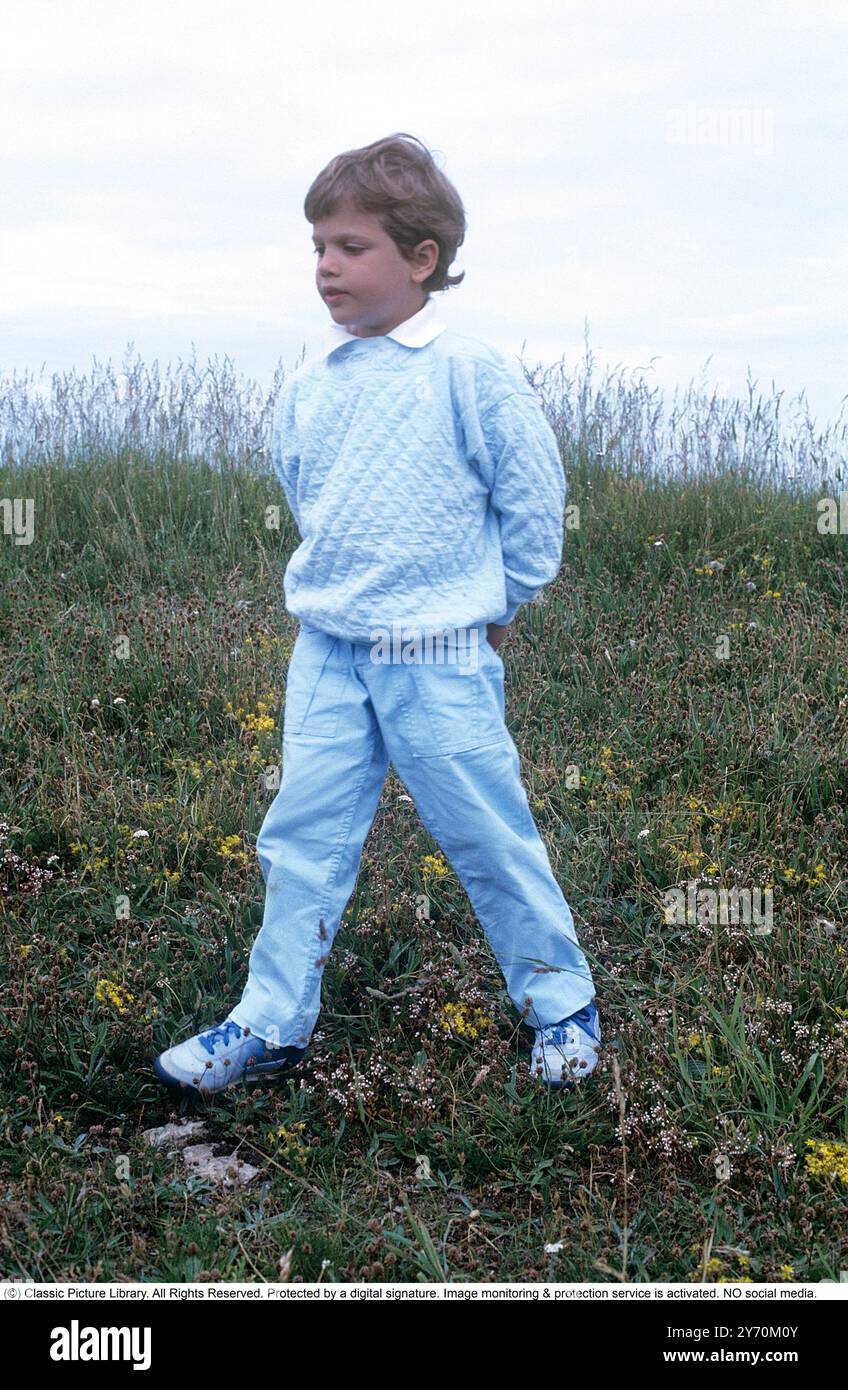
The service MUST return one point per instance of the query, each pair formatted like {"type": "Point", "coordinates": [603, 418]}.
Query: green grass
{"type": "Point", "coordinates": [403, 1149]}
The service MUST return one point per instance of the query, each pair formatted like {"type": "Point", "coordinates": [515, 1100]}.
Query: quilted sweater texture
{"type": "Point", "coordinates": [425, 482]}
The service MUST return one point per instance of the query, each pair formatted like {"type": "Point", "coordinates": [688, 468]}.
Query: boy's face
{"type": "Point", "coordinates": [381, 289]}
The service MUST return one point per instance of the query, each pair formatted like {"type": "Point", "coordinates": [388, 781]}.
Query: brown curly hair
{"type": "Point", "coordinates": [397, 180]}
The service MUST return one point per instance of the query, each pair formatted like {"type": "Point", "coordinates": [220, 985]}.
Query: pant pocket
{"type": "Point", "coordinates": [316, 686]}
{"type": "Point", "coordinates": [453, 707]}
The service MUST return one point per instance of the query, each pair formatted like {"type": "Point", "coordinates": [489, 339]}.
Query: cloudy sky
{"type": "Point", "coordinates": [670, 171]}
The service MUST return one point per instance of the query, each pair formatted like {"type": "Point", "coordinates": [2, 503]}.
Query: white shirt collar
{"type": "Point", "coordinates": [416, 331]}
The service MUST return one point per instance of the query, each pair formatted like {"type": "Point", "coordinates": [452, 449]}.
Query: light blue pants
{"type": "Point", "coordinates": [345, 716]}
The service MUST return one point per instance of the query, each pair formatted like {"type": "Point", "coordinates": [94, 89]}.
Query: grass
{"type": "Point", "coordinates": [680, 704]}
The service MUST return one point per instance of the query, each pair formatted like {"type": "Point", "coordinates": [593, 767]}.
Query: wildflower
{"type": "Point", "coordinates": [260, 723]}
{"type": "Point", "coordinates": [230, 848]}
{"type": "Point", "coordinates": [691, 859]}
{"type": "Point", "coordinates": [828, 1158]}
{"type": "Point", "coordinates": [166, 876]}
{"type": "Point", "coordinates": [289, 1143]}
{"type": "Point", "coordinates": [108, 992]}
{"type": "Point", "coordinates": [462, 1022]}
{"type": "Point", "coordinates": [434, 866]}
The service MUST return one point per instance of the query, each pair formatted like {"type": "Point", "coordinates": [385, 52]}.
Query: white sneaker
{"type": "Point", "coordinates": [567, 1051]}
{"type": "Point", "coordinates": [221, 1057]}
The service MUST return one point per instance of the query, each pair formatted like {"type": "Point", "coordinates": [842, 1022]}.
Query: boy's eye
{"type": "Point", "coordinates": [319, 249]}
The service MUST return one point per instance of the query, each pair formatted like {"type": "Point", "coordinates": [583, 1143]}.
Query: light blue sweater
{"type": "Point", "coordinates": [425, 481]}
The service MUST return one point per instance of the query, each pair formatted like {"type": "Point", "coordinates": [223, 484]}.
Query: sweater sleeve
{"type": "Point", "coordinates": [284, 454]}
{"type": "Point", "coordinates": [518, 457]}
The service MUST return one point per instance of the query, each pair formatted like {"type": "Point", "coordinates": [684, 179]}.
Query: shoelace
{"type": "Point", "coordinates": [584, 1019]}
{"type": "Point", "coordinates": [216, 1035]}
{"type": "Point", "coordinates": [559, 1032]}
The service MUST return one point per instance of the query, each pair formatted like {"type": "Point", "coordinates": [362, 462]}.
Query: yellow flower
{"type": "Point", "coordinates": [230, 848]}
{"type": "Point", "coordinates": [690, 859]}
{"type": "Point", "coordinates": [829, 1158]}
{"type": "Point", "coordinates": [108, 992]}
{"type": "Point", "coordinates": [289, 1143]}
{"type": "Point", "coordinates": [457, 1019]}
{"type": "Point", "coordinates": [165, 877]}
{"type": "Point", "coordinates": [434, 866]}
{"type": "Point", "coordinates": [120, 998]}
{"type": "Point", "coordinates": [260, 723]}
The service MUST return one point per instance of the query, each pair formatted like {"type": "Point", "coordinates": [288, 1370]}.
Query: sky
{"type": "Point", "coordinates": [662, 177]}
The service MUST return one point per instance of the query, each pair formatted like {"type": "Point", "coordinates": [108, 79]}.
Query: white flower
{"type": "Point", "coordinates": [141, 834]}
{"type": "Point", "coordinates": [119, 701]}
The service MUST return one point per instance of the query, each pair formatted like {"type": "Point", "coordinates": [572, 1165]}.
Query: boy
{"type": "Point", "coordinates": [429, 492]}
